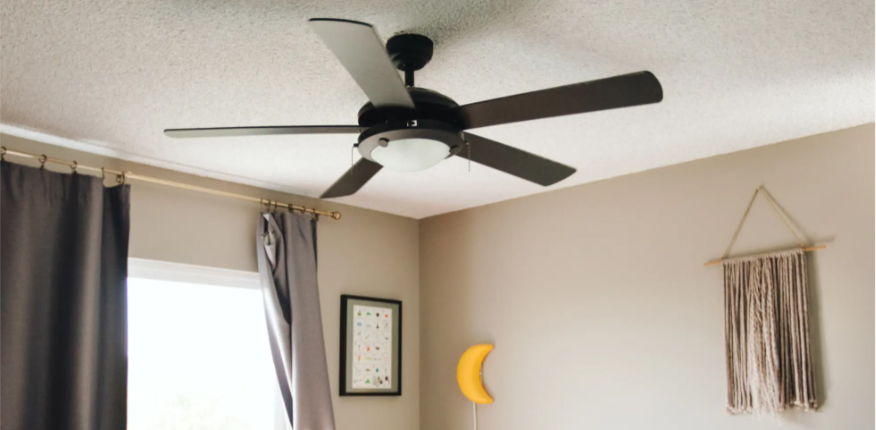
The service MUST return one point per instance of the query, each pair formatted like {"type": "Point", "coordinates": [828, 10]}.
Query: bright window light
{"type": "Point", "coordinates": [198, 358]}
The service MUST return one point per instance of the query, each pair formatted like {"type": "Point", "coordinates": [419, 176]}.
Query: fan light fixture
{"type": "Point", "coordinates": [403, 126]}
{"type": "Point", "coordinates": [410, 155]}
{"type": "Point", "coordinates": [409, 147]}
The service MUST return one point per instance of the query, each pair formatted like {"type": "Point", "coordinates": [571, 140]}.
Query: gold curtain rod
{"type": "Point", "coordinates": [122, 175]}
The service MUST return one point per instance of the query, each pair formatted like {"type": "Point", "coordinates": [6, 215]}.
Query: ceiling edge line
{"type": "Point", "coordinates": [93, 148]}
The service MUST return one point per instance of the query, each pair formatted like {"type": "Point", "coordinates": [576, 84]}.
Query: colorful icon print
{"type": "Point", "coordinates": [373, 347]}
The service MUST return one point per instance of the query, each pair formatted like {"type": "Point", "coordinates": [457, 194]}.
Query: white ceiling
{"type": "Point", "coordinates": [735, 74]}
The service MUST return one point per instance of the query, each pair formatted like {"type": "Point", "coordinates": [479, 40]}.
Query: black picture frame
{"type": "Point", "coordinates": [345, 382]}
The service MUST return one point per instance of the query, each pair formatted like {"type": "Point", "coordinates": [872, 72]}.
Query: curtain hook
{"type": "Point", "coordinates": [2, 153]}
{"type": "Point", "coordinates": [74, 166]}
{"type": "Point", "coordinates": [43, 158]}
{"type": "Point", "coordinates": [120, 178]}
{"type": "Point", "coordinates": [102, 173]}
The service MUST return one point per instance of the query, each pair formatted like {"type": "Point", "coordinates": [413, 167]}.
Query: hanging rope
{"type": "Point", "coordinates": [745, 216]}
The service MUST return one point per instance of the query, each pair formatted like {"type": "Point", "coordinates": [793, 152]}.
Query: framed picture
{"type": "Point", "coordinates": [370, 359]}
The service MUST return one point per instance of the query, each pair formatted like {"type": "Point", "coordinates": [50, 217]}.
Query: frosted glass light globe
{"type": "Point", "coordinates": [410, 155]}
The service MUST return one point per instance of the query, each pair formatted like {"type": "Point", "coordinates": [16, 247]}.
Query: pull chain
{"type": "Point", "coordinates": [352, 157]}
{"type": "Point", "coordinates": [468, 145]}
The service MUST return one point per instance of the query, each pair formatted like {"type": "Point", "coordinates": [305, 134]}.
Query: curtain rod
{"type": "Point", "coordinates": [805, 249]}
{"type": "Point", "coordinates": [122, 175]}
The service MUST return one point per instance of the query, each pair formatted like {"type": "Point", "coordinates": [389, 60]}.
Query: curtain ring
{"type": "Point", "coordinates": [74, 166]}
{"type": "Point", "coordinates": [3, 153]}
{"type": "Point", "coordinates": [120, 178]}
{"type": "Point", "coordinates": [102, 173]}
{"type": "Point", "coordinates": [43, 158]}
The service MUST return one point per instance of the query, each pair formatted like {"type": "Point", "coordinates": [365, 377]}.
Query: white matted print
{"type": "Point", "coordinates": [372, 347]}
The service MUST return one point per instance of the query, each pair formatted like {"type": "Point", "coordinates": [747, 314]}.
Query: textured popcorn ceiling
{"type": "Point", "coordinates": [736, 74]}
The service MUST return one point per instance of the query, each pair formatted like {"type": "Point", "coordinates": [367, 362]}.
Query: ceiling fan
{"type": "Point", "coordinates": [409, 128]}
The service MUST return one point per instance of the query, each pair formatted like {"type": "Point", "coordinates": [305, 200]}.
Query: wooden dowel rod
{"type": "Point", "coordinates": [806, 249]}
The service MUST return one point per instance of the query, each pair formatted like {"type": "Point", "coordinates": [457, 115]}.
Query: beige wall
{"type": "Point", "coordinates": [366, 253]}
{"type": "Point", "coordinates": [595, 296]}
{"type": "Point", "coordinates": [603, 315]}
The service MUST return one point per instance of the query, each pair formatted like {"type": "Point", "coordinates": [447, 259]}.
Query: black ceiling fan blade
{"type": "Point", "coordinates": [620, 91]}
{"type": "Point", "coordinates": [353, 179]}
{"type": "Point", "coordinates": [361, 52]}
{"type": "Point", "coordinates": [514, 161]}
{"type": "Point", "coordinates": [261, 131]}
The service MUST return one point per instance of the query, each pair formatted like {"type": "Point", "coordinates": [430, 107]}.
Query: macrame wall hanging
{"type": "Point", "coordinates": [766, 317]}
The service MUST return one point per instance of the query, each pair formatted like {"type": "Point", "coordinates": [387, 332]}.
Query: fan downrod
{"type": "Point", "coordinates": [409, 53]}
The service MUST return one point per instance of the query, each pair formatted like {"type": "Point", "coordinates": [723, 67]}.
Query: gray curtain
{"type": "Point", "coordinates": [63, 309]}
{"type": "Point", "coordinates": [286, 248]}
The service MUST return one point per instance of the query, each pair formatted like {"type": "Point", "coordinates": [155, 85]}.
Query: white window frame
{"type": "Point", "coordinates": [179, 272]}
{"type": "Point", "coordinates": [189, 273]}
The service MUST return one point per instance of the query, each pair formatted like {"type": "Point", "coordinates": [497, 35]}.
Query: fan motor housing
{"type": "Point", "coordinates": [430, 106]}
{"type": "Point", "coordinates": [428, 121]}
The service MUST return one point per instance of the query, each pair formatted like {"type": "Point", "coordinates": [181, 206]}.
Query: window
{"type": "Point", "coordinates": [198, 351]}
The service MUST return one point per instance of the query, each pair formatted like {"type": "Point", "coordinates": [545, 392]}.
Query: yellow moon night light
{"type": "Point", "coordinates": [468, 374]}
